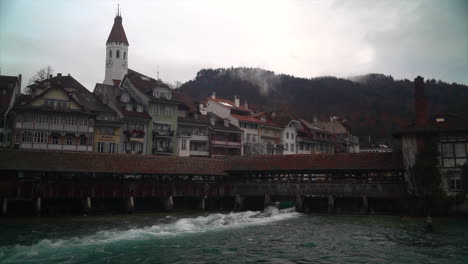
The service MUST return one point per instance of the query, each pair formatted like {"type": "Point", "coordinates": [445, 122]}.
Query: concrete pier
{"type": "Point", "coordinates": [267, 200]}
{"type": "Point", "coordinates": [5, 206]}
{"type": "Point", "coordinates": [331, 204]}
{"type": "Point", "coordinates": [238, 203]}
{"type": "Point", "coordinates": [168, 203]}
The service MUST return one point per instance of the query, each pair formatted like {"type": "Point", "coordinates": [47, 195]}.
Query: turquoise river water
{"type": "Point", "coordinates": [272, 236]}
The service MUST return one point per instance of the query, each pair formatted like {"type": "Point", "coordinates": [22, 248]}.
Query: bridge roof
{"type": "Point", "coordinates": [317, 162]}
{"type": "Point", "coordinates": [58, 161]}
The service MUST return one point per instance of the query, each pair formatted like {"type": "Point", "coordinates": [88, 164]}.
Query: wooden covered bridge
{"type": "Point", "coordinates": [67, 182]}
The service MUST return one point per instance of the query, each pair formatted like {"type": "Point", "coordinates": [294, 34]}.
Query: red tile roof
{"type": "Point", "coordinates": [106, 163]}
{"type": "Point", "coordinates": [318, 162]}
{"type": "Point", "coordinates": [117, 33]}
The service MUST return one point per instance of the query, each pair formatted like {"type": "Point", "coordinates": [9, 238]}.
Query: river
{"type": "Point", "coordinates": [272, 236]}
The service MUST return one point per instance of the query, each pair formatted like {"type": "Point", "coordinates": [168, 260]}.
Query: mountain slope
{"type": "Point", "coordinates": [374, 104]}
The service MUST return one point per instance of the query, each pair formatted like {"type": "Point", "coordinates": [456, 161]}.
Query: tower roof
{"type": "Point", "coordinates": [117, 33]}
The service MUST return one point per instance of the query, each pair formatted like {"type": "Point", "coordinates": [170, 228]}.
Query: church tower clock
{"type": "Point", "coordinates": [116, 52]}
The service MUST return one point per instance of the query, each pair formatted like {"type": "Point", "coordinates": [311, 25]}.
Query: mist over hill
{"type": "Point", "coordinates": [374, 104]}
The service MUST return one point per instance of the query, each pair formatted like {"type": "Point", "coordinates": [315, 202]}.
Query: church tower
{"type": "Point", "coordinates": [116, 52]}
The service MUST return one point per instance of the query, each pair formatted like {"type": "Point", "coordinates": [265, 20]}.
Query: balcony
{"type": "Point", "coordinates": [226, 143]}
{"type": "Point", "coordinates": [164, 150]}
{"type": "Point", "coordinates": [56, 146]}
{"type": "Point", "coordinates": [163, 133]}
{"type": "Point", "coordinates": [56, 127]}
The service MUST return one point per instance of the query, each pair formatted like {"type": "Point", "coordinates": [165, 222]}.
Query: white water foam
{"type": "Point", "coordinates": [211, 222]}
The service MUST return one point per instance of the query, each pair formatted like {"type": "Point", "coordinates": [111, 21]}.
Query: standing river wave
{"type": "Point", "coordinates": [271, 236]}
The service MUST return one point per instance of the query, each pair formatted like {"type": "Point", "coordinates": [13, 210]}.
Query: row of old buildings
{"type": "Point", "coordinates": [130, 112]}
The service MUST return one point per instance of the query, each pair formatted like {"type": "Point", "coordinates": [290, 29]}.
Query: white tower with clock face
{"type": "Point", "coordinates": [116, 53]}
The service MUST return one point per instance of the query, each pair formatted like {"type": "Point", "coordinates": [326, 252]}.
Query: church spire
{"type": "Point", "coordinates": [117, 33]}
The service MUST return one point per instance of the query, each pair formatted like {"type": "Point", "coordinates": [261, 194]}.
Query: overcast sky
{"type": "Point", "coordinates": [303, 38]}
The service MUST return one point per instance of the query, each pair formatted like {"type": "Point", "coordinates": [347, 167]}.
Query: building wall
{"type": "Point", "coordinates": [56, 94]}
{"type": "Point", "coordinates": [289, 138]}
{"type": "Point", "coordinates": [161, 118]}
{"type": "Point", "coordinates": [107, 139]}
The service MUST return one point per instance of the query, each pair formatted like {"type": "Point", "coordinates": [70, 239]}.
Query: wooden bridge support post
{"type": "Point", "coordinates": [87, 205]}
{"type": "Point", "coordinates": [238, 203]}
{"type": "Point", "coordinates": [331, 204]}
{"type": "Point", "coordinates": [5, 206]}
{"type": "Point", "coordinates": [201, 203]}
{"type": "Point", "coordinates": [169, 203]}
{"type": "Point", "coordinates": [365, 205]}
{"type": "Point", "coordinates": [299, 203]}
{"type": "Point", "coordinates": [267, 201]}
{"type": "Point", "coordinates": [37, 205]}
{"type": "Point", "coordinates": [130, 204]}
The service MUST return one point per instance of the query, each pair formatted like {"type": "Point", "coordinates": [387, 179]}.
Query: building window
{"type": "Point", "coordinates": [292, 135]}
{"type": "Point", "coordinates": [110, 53]}
{"type": "Point", "coordinates": [90, 141]}
{"type": "Point", "coordinates": [454, 154]}
{"type": "Point", "coordinates": [125, 98]}
{"type": "Point", "coordinates": [168, 110]}
{"type": "Point", "coordinates": [82, 140]}
{"type": "Point", "coordinates": [286, 146]}
{"type": "Point", "coordinates": [100, 147]}
{"type": "Point", "coordinates": [287, 135]}
{"type": "Point", "coordinates": [55, 138]}
{"type": "Point", "coordinates": [154, 109]}
{"type": "Point", "coordinates": [455, 185]}
{"type": "Point", "coordinates": [140, 108]}
{"type": "Point", "coordinates": [128, 108]}
{"type": "Point", "coordinates": [292, 146]}
{"type": "Point", "coordinates": [184, 144]}
{"type": "Point", "coordinates": [69, 140]}
{"type": "Point", "coordinates": [111, 147]}
{"type": "Point", "coordinates": [40, 137]}
{"type": "Point", "coordinates": [155, 93]}
{"type": "Point", "coordinates": [125, 55]}
{"type": "Point", "coordinates": [117, 54]}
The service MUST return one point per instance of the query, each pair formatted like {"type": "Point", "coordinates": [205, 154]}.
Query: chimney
{"type": "Point", "coordinates": [59, 74]}
{"type": "Point", "coordinates": [246, 105]}
{"type": "Point", "coordinates": [315, 119]}
{"type": "Point", "coordinates": [273, 114]}
{"type": "Point", "coordinates": [213, 95]}
{"type": "Point", "coordinates": [237, 100]}
{"type": "Point", "coordinates": [420, 107]}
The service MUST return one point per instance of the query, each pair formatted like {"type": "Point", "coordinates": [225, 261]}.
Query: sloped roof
{"type": "Point", "coordinates": [229, 104]}
{"type": "Point", "coordinates": [59, 161]}
{"type": "Point", "coordinates": [439, 123]}
{"type": "Point", "coordinates": [144, 83]}
{"type": "Point", "coordinates": [117, 33]}
{"type": "Point", "coordinates": [185, 101]}
{"type": "Point", "coordinates": [318, 162]}
{"type": "Point", "coordinates": [219, 124]}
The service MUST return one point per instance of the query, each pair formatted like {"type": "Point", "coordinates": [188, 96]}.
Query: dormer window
{"type": "Point", "coordinates": [140, 108]}
{"type": "Point", "coordinates": [440, 120]}
{"type": "Point", "coordinates": [129, 107]}
{"type": "Point", "coordinates": [213, 121]}
{"type": "Point", "coordinates": [155, 93]}
{"type": "Point", "coordinates": [169, 96]}
{"type": "Point", "coordinates": [125, 98]}
{"type": "Point", "coordinates": [226, 122]}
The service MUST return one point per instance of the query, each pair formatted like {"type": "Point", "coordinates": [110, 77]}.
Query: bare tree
{"type": "Point", "coordinates": [42, 74]}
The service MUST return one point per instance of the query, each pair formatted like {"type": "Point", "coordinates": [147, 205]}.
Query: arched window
{"type": "Point", "coordinates": [117, 54]}
{"type": "Point", "coordinates": [110, 53]}
{"type": "Point", "coordinates": [125, 55]}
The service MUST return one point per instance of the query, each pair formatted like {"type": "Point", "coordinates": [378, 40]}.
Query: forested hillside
{"type": "Point", "coordinates": [374, 104]}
